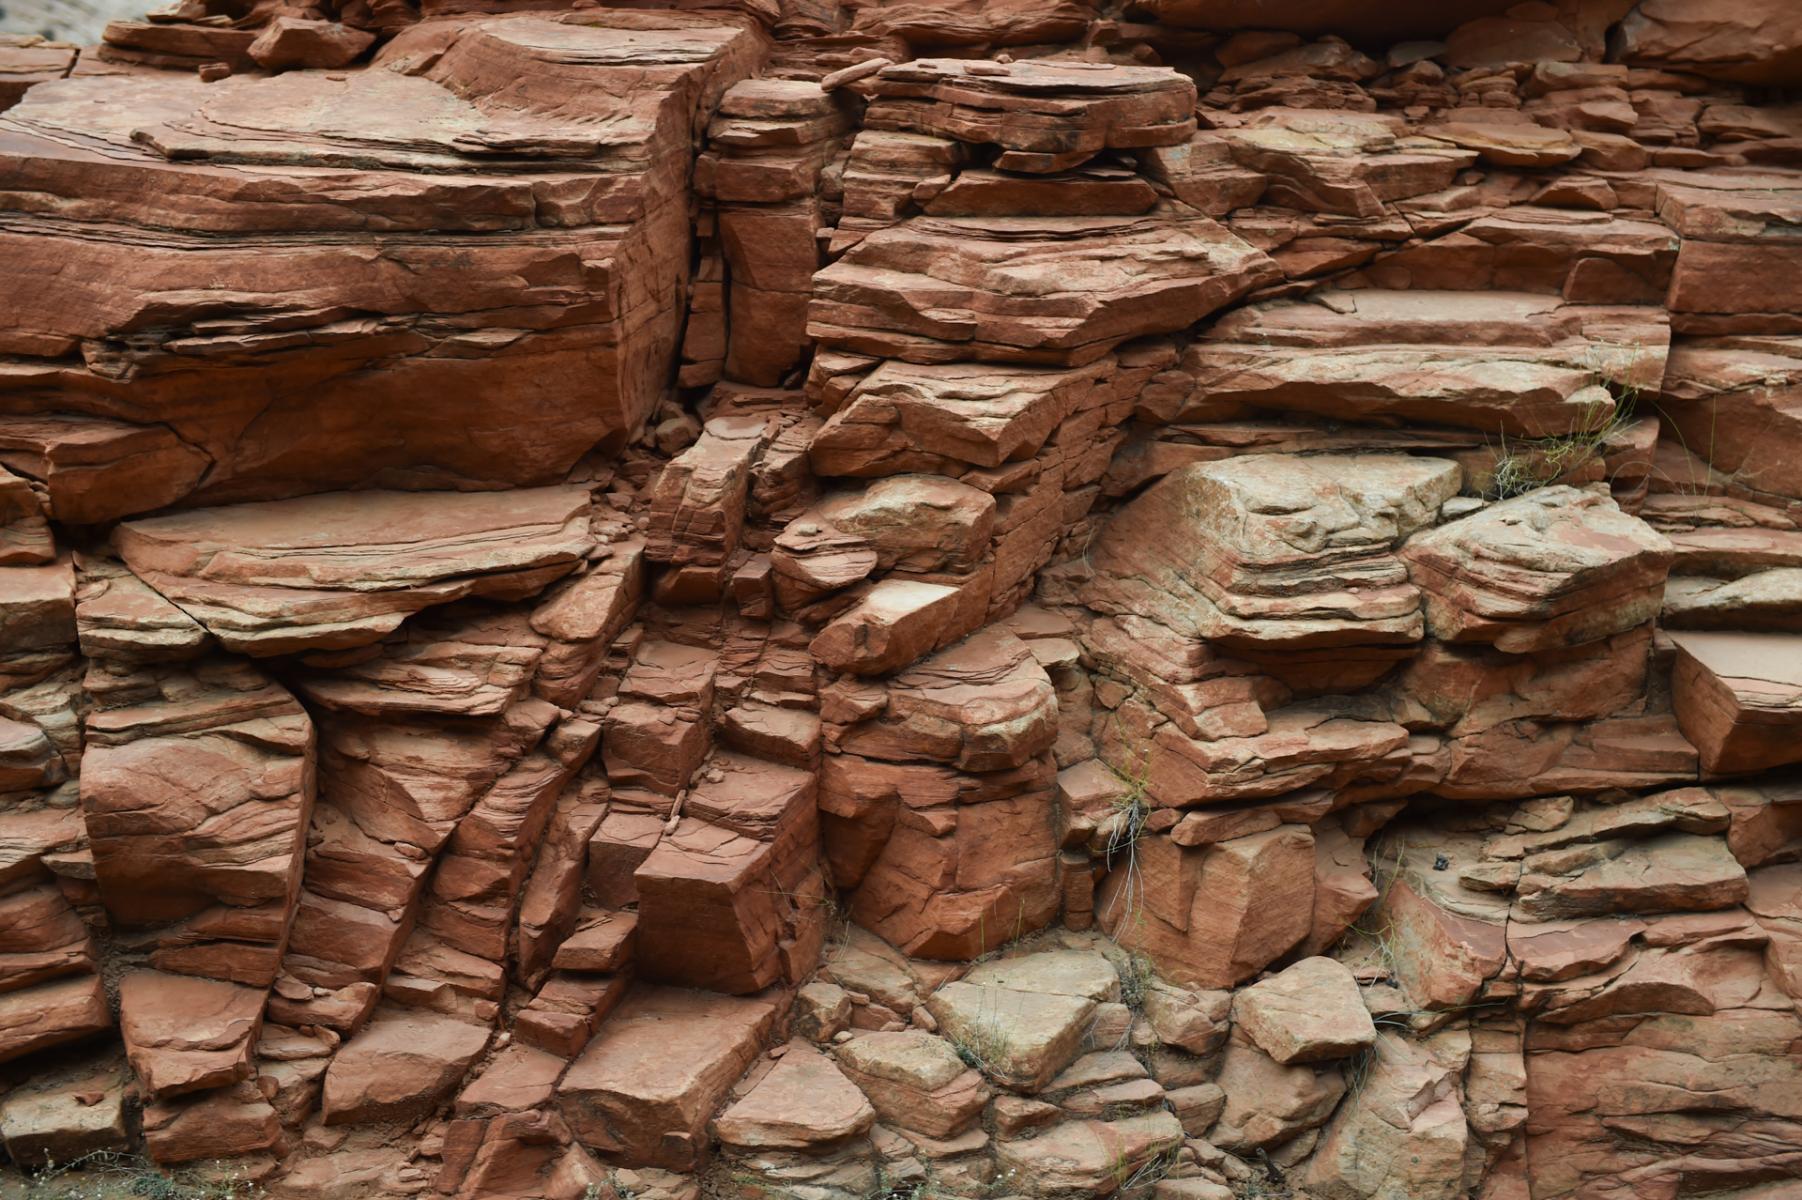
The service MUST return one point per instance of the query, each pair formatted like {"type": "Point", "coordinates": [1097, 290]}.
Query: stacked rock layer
{"type": "Point", "coordinates": [851, 599]}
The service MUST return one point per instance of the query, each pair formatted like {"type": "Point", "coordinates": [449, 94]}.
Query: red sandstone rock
{"type": "Point", "coordinates": [915, 1081]}
{"type": "Point", "coordinates": [197, 790]}
{"type": "Point", "coordinates": [1737, 406]}
{"type": "Point", "coordinates": [1555, 567]}
{"type": "Point", "coordinates": [1218, 915]}
{"type": "Point", "coordinates": [804, 1103]}
{"type": "Point", "coordinates": [974, 22]}
{"type": "Point", "coordinates": [221, 1124]}
{"type": "Point", "coordinates": [1052, 290]}
{"type": "Point", "coordinates": [287, 43]}
{"type": "Point", "coordinates": [1404, 1115]}
{"type": "Point", "coordinates": [1212, 553]}
{"type": "Point", "coordinates": [66, 1114]}
{"type": "Point", "coordinates": [728, 898]}
{"type": "Point", "coordinates": [399, 1066]}
{"type": "Point", "coordinates": [643, 1090]}
{"type": "Point", "coordinates": [451, 403]}
{"type": "Point", "coordinates": [1305, 1013]}
{"type": "Point", "coordinates": [1758, 42]}
{"type": "Point", "coordinates": [1060, 492]}
{"type": "Point", "coordinates": [329, 572]}
{"type": "Point", "coordinates": [1739, 699]}
{"type": "Point", "coordinates": [184, 1034]}
{"type": "Point", "coordinates": [1044, 116]}
{"type": "Point", "coordinates": [52, 1013]}
{"type": "Point", "coordinates": [1513, 363]}
{"type": "Point", "coordinates": [26, 59]}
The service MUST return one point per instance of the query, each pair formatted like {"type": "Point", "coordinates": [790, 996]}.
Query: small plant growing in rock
{"type": "Point", "coordinates": [981, 1044]}
{"type": "Point", "coordinates": [1137, 975]}
{"type": "Point", "coordinates": [1525, 465]}
{"type": "Point", "coordinates": [1139, 1181]}
{"type": "Point", "coordinates": [111, 1175]}
{"type": "Point", "coordinates": [1126, 825]}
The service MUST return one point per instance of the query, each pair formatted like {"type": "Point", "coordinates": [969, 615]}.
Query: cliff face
{"type": "Point", "coordinates": [853, 599]}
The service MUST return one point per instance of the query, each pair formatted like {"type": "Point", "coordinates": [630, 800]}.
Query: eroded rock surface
{"type": "Point", "coordinates": [847, 599]}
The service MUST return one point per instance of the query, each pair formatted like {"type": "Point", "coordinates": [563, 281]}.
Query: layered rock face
{"type": "Point", "coordinates": [846, 599]}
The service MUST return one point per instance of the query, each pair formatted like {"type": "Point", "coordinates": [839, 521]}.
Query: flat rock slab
{"type": "Point", "coordinates": [1554, 567]}
{"type": "Point", "coordinates": [187, 1034]}
{"type": "Point", "coordinates": [1275, 551]}
{"type": "Point", "coordinates": [1738, 697]}
{"type": "Point", "coordinates": [1089, 1158]}
{"type": "Point", "coordinates": [1080, 973]}
{"type": "Point", "coordinates": [49, 1014]}
{"type": "Point", "coordinates": [225, 1123]}
{"type": "Point", "coordinates": [63, 1114]}
{"type": "Point", "coordinates": [1045, 116]}
{"type": "Point", "coordinates": [947, 416]}
{"type": "Point", "coordinates": [1674, 872]}
{"type": "Point", "coordinates": [915, 1080]}
{"type": "Point", "coordinates": [1516, 363]}
{"type": "Point", "coordinates": [643, 1090]}
{"type": "Point", "coordinates": [338, 570]}
{"type": "Point", "coordinates": [804, 1102]}
{"type": "Point", "coordinates": [1051, 290]}
{"type": "Point", "coordinates": [1310, 1012]}
{"type": "Point", "coordinates": [1021, 1038]}
{"type": "Point", "coordinates": [354, 349]}
{"type": "Point", "coordinates": [400, 1066]}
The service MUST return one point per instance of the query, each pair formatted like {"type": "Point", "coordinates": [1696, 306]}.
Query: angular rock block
{"type": "Point", "coordinates": [1023, 1020]}
{"type": "Point", "coordinates": [400, 1066]}
{"type": "Point", "coordinates": [1274, 552]}
{"type": "Point", "coordinates": [337, 571]}
{"type": "Point", "coordinates": [1212, 917]}
{"type": "Point", "coordinates": [1044, 116]}
{"type": "Point", "coordinates": [264, 385]}
{"type": "Point", "coordinates": [1268, 1103]}
{"type": "Point", "coordinates": [803, 1103]}
{"type": "Point", "coordinates": [1737, 404]}
{"type": "Point", "coordinates": [454, 661]}
{"type": "Point", "coordinates": [698, 506]}
{"type": "Point", "coordinates": [41, 938]}
{"type": "Point", "coordinates": [643, 1091]}
{"type": "Point", "coordinates": [1049, 290]}
{"type": "Point", "coordinates": [1555, 567]}
{"type": "Point", "coordinates": [949, 865]}
{"type": "Point", "coordinates": [906, 416]}
{"type": "Point", "coordinates": [984, 704]}
{"type": "Point", "coordinates": [226, 1123]}
{"type": "Point", "coordinates": [198, 793]}
{"type": "Point", "coordinates": [1738, 697]}
{"type": "Point", "coordinates": [49, 1014]}
{"type": "Point", "coordinates": [1505, 363]}
{"type": "Point", "coordinates": [1309, 1012]}
{"type": "Point", "coordinates": [183, 1034]}
{"type": "Point", "coordinates": [1735, 273]}
{"type": "Point", "coordinates": [66, 1113]}
{"type": "Point", "coordinates": [915, 1080]}
{"type": "Point", "coordinates": [728, 896]}
{"type": "Point", "coordinates": [897, 622]}
{"type": "Point", "coordinates": [1343, 163]}
{"type": "Point", "coordinates": [974, 22]}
